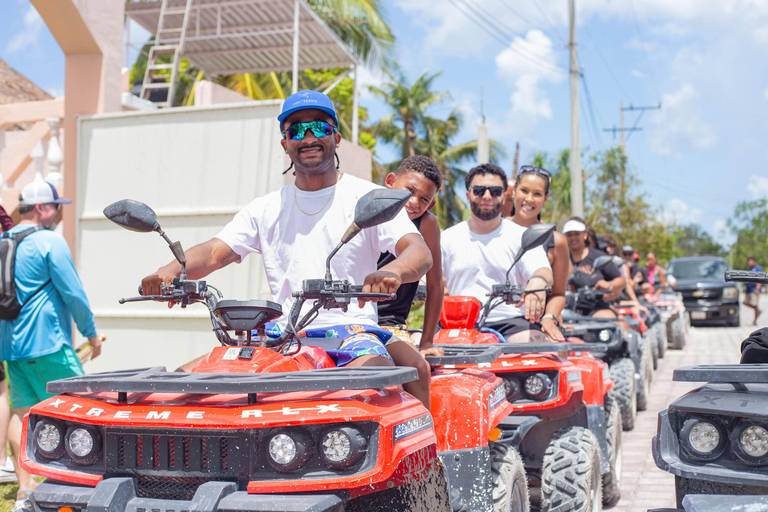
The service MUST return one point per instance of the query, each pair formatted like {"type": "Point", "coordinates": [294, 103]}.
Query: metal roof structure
{"type": "Point", "coordinates": [247, 36]}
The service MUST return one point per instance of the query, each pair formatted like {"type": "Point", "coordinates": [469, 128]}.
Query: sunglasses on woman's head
{"type": "Point", "coordinates": [479, 190]}
{"type": "Point", "coordinates": [319, 129]}
{"type": "Point", "coordinates": [538, 170]}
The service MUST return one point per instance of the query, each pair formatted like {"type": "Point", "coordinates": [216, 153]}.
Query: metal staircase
{"type": "Point", "coordinates": [168, 41]}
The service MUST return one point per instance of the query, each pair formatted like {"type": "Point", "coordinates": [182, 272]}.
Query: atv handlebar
{"type": "Point", "coordinates": [745, 276]}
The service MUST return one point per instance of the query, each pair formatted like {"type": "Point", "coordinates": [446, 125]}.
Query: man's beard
{"type": "Point", "coordinates": [485, 214]}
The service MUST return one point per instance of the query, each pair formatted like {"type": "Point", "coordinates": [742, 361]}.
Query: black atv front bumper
{"type": "Point", "coordinates": [666, 455]}
{"type": "Point", "coordinates": [119, 495]}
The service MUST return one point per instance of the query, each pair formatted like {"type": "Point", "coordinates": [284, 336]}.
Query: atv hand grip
{"type": "Point", "coordinates": [357, 291]}
{"type": "Point", "coordinates": [745, 276]}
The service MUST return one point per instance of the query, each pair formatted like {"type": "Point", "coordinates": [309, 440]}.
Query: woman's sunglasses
{"type": "Point", "coordinates": [319, 129]}
{"type": "Point", "coordinates": [479, 190]}
{"type": "Point", "coordinates": [538, 170]}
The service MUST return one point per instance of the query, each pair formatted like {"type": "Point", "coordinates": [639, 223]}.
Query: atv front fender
{"type": "Point", "coordinates": [119, 495]}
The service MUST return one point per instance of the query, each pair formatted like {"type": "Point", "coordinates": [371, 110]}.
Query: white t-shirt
{"type": "Point", "coordinates": [294, 245]}
{"type": "Point", "coordinates": [473, 263]}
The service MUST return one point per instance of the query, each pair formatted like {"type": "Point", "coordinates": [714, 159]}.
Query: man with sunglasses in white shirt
{"type": "Point", "coordinates": [295, 228]}
{"type": "Point", "coordinates": [478, 252]}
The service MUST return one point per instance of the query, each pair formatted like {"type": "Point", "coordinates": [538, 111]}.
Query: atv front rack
{"type": "Point", "coordinates": [543, 346]}
{"type": "Point", "coordinates": [158, 380]}
{"type": "Point", "coordinates": [465, 354]}
{"type": "Point", "coordinates": [730, 373]}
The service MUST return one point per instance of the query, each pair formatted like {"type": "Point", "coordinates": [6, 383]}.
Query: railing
{"type": "Point", "coordinates": [46, 116]}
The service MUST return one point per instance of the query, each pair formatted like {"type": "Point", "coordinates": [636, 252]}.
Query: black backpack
{"type": "Point", "coordinates": [9, 304]}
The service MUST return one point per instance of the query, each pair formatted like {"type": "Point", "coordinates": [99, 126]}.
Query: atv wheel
{"type": "Point", "coordinates": [735, 322]}
{"type": "Point", "coordinates": [427, 495]}
{"type": "Point", "coordinates": [661, 341]}
{"type": "Point", "coordinates": [570, 474]}
{"type": "Point", "coordinates": [624, 394]}
{"type": "Point", "coordinates": [510, 485]}
{"type": "Point", "coordinates": [677, 334]}
{"type": "Point", "coordinates": [646, 374]}
{"type": "Point", "coordinates": [685, 486]}
{"type": "Point", "coordinates": [654, 348]}
{"type": "Point", "coordinates": [612, 479]}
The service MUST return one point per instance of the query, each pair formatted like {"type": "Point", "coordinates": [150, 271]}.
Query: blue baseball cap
{"type": "Point", "coordinates": [308, 99]}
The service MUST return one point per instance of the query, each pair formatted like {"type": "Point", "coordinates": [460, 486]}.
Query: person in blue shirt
{"type": "Point", "coordinates": [752, 290]}
{"type": "Point", "coordinates": [37, 344]}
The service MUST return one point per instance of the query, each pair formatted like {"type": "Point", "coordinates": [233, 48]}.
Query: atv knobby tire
{"type": "Point", "coordinates": [510, 485]}
{"type": "Point", "coordinates": [624, 394]}
{"type": "Point", "coordinates": [570, 474]}
{"type": "Point", "coordinates": [677, 333]}
{"type": "Point", "coordinates": [661, 340]}
{"type": "Point", "coordinates": [612, 479]}
{"type": "Point", "coordinates": [654, 348]}
{"type": "Point", "coordinates": [427, 495]}
{"type": "Point", "coordinates": [646, 374]}
{"type": "Point", "coordinates": [685, 486]}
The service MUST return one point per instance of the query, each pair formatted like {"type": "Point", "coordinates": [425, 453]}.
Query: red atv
{"type": "Point", "coordinates": [260, 424]}
{"type": "Point", "coordinates": [564, 423]}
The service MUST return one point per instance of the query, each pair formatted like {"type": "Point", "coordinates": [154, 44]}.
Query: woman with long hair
{"type": "Point", "coordinates": [530, 194]}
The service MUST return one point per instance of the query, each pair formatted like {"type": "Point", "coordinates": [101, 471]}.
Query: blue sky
{"type": "Point", "coordinates": [703, 59]}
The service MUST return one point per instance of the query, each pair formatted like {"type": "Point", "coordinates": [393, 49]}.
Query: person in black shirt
{"type": "Point", "coordinates": [422, 177]}
{"type": "Point", "coordinates": [583, 257]}
{"type": "Point", "coordinates": [636, 272]}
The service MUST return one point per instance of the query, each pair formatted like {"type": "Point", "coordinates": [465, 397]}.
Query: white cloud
{"type": "Point", "coordinates": [56, 92]}
{"type": "Point", "coordinates": [677, 211]}
{"type": "Point", "coordinates": [678, 126]}
{"type": "Point", "coordinates": [721, 234]}
{"type": "Point", "coordinates": [368, 77]}
{"type": "Point", "coordinates": [524, 66]}
{"type": "Point", "coordinates": [637, 73]}
{"type": "Point", "coordinates": [758, 186]}
{"type": "Point", "coordinates": [33, 23]}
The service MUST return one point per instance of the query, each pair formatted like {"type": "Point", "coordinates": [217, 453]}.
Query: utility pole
{"type": "Point", "coordinates": [577, 186]}
{"type": "Point", "coordinates": [483, 145]}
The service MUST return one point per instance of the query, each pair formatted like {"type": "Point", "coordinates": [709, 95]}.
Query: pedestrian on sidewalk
{"type": "Point", "coordinates": [7, 469]}
{"type": "Point", "coordinates": [37, 344]}
{"type": "Point", "coordinates": [752, 290]}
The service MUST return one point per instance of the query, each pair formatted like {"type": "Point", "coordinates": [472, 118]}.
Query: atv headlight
{"type": "Point", "coordinates": [83, 444]}
{"type": "Point", "coordinates": [48, 436]}
{"type": "Point", "coordinates": [702, 439]}
{"type": "Point", "coordinates": [731, 292]}
{"type": "Point", "coordinates": [604, 335]}
{"type": "Point", "coordinates": [512, 388]}
{"type": "Point", "coordinates": [289, 451]}
{"type": "Point", "coordinates": [342, 447]}
{"type": "Point", "coordinates": [750, 443]}
{"type": "Point", "coordinates": [537, 386]}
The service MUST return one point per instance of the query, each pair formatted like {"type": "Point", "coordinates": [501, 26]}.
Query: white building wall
{"type": "Point", "coordinates": [196, 167]}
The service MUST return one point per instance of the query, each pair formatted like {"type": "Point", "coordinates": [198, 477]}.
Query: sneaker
{"type": "Point", "coordinates": [8, 471]}
{"type": "Point", "coordinates": [21, 499]}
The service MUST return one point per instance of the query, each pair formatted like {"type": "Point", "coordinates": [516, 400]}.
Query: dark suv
{"type": "Point", "coordinates": [708, 298]}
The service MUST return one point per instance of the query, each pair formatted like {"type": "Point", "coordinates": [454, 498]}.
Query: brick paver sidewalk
{"type": "Point", "coordinates": [645, 486]}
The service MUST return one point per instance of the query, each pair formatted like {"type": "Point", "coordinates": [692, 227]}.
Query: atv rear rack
{"type": "Point", "coordinates": [158, 380]}
{"type": "Point", "coordinates": [730, 373]}
{"type": "Point", "coordinates": [465, 354]}
{"type": "Point", "coordinates": [528, 348]}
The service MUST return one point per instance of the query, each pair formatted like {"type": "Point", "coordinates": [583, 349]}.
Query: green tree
{"type": "Point", "coordinates": [749, 225]}
{"type": "Point", "coordinates": [692, 240]}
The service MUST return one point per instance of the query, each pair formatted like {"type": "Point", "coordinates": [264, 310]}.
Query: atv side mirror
{"type": "Point", "coordinates": [602, 261]}
{"type": "Point", "coordinates": [133, 215]}
{"type": "Point", "coordinates": [137, 216]}
{"type": "Point", "coordinates": [376, 207]}
{"type": "Point", "coordinates": [533, 237]}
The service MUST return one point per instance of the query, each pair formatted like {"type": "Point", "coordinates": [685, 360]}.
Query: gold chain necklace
{"type": "Point", "coordinates": [333, 193]}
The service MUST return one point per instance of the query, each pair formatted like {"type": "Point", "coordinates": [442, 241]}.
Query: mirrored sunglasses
{"type": "Point", "coordinates": [538, 170]}
{"type": "Point", "coordinates": [319, 129]}
{"type": "Point", "coordinates": [479, 190]}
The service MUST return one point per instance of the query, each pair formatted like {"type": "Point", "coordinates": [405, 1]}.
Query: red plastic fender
{"type": "Point", "coordinates": [595, 387]}
{"type": "Point", "coordinates": [463, 336]}
{"type": "Point", "coordinates": [459, 311]}
{"type": "Point", "coordinates": [460, 408]}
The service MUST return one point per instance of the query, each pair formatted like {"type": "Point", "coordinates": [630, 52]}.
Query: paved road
{"type": "Point", "coordinates": [645, 486]}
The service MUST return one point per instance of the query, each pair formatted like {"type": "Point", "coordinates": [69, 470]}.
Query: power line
{"type": "Point", "coordinates": [605, 61]}
{"type": "Point", "coordinates": [591, 109]}
{"type": "Point", "coordinates": [551, 25]}
{"type": "Point", "coordinates": [477, 16]}
{"type": "Point", "coordinates": [642, 45]}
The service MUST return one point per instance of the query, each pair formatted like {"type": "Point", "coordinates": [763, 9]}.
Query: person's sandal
{"type": "Point", "coordinates": [21, 497]}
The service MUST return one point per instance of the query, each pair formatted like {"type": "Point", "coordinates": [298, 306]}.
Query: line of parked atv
{"type": "Point", "coordinates": [266, 424]}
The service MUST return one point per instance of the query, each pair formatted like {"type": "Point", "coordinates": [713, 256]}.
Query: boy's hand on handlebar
{"type": "Point", "coordinates": [380, 281]}
{"type": "Point", "coordinates": [533, 305]}
{"type": "Point", "coordinates": [152, 285]}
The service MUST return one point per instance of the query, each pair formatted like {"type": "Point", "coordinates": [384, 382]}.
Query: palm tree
{"type": "Point", "coordinates": [409, 103]}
